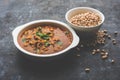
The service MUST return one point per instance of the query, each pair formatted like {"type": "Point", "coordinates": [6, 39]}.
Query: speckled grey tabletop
{"type": "Point", "coordinates": [14, 66]}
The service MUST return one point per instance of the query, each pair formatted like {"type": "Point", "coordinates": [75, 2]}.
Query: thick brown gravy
{"type": "Point", "coordinates": [45, 39]}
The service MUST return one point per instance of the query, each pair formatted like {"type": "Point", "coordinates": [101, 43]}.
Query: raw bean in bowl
{"type": "Point", "coordinates": [87, 19]}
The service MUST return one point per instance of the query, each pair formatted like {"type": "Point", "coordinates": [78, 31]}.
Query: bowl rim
{"type": "Point", "coordinates": [89, 8]}
{"type": "Point", "coordinates": [18, 29]}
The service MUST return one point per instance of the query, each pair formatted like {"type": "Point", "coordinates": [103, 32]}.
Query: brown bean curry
{"type": "Point", "coordinates": [45, 39]}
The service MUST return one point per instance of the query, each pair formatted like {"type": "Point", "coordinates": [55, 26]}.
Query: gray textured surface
{"type": "Point", "coordinates": [15, 67]}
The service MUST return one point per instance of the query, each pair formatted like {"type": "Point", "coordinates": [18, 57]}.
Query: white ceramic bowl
{"type": "Point", "coordinates": [18, 29]}
{"type": "Point", "coordinates": [82, 29]}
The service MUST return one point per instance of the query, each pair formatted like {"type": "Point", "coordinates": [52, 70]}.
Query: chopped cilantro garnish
{"type": "Point", "coordinates": [23, 40]}
{"type": "Point", "coordinates": [47, 44]}
{"type": "Point", "coordinates": [66, 32]}
{"type": "Point", "coordinates": [43, 36]}
{"type": "Point", "coordinates": [59, 42]}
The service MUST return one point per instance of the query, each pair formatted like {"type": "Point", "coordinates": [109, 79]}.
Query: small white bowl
{"type": "Point", "coordinates": [18, 29]}
{"type": "Point", "coordinates": [82, 29]}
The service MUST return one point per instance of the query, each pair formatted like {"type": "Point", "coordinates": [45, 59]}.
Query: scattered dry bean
{"type": "Point", "coordinates": [103, 50]}
{"type": "Point", "coordinates": [104, 57]}
{"type": "Point", "coordinates": [114, 43]}
{"type": "Point", "coordinates": [105, 31]}
{"type": "Point", "coordinates": [81, 45]}
{"type": "Point", "coordinates": [102, 53]}
{"type": "Point", "coordinates": [109, 36]}
{"type": "Point", "coordinates": [93, 53]}
{"type": "Point", "coordinates": [87, 69]}
{"type": "Point", "coordinates": [78, 55]}
{"type": "Point", "coordinates": [115, 32]}
{"type": "Point", "coordinates": [113, 40]}
{"type": "Point", "coordinates": [98, 50]}
{"type": "Point", "coordinates": [112, 61]}
{"type": "Point", "coordinates": [78, 48]}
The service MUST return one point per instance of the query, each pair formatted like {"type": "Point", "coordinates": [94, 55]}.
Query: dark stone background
{"type": "Point", "coordinates": [14, 66]}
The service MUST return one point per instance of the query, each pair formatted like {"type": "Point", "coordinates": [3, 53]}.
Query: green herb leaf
{"type": "Point", "coordinates": [43, 36]}
{"type": "Point", "coordinates": [39, 34]}
{"type": "Point", "coordinates": [59, 42]}
{"type": "Point", "coordinates": [66, 32]}
{"type": "Point", "coordinates": [47, 44]}
{"type": "Point", "coordinates": [23, 40]}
